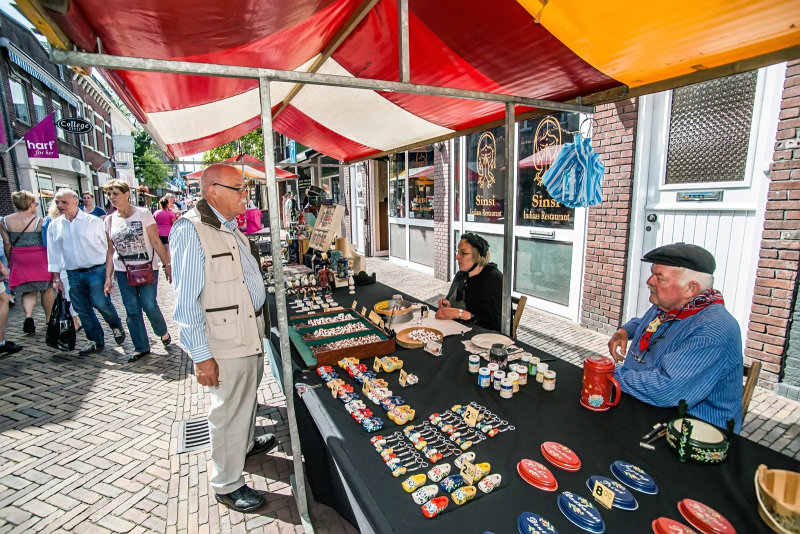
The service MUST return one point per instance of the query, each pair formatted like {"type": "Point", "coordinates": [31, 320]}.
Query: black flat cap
{"type": "Point", "coordinates": [683, 255]}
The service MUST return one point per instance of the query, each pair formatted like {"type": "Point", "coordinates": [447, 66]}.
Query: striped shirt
{"type": "Point", "coordinates": [188, 280]}
{"type": "Point", "coordinates": [698, 358]}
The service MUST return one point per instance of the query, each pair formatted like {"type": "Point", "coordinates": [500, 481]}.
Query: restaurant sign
{"type": "Point", "coordinates": [74, 125]}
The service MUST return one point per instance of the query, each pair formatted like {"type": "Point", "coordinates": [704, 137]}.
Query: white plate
{"type": "Point", "coordinates": [485, 341]}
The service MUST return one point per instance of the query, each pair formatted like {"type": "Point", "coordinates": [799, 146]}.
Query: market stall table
{"type": "Point", "coordinates": [369, 495]}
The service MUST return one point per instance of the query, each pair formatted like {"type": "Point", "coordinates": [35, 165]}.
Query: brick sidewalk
{"type": "Point", "coordinates": [89, 444]}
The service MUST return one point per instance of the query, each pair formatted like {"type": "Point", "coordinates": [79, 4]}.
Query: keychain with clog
{"type": "Point", "coordinates": [463, 494]}
{"type": "Point", "coordinates": [490, 482]}
{"type": "Point", "coordinates": [481, 470]}
{"type": "Point", "coordinates": [468, 456]}
{"type": "Point", "coordinates": [425, 493]}
{"type": "Point", "coordinates": [414, 481]}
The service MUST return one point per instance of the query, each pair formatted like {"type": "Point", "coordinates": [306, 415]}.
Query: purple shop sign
{"type": "Point", "coordinates": [41, 139]}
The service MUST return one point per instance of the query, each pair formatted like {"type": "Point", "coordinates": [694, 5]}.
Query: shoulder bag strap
{"type": "Point", "coordinates": [110, 224]}
{"type": "Point", "coordinates": [22, 232]}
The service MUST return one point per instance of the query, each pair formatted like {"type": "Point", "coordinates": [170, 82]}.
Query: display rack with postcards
{"type": "Point", "coordinates": [322, 343]}
{"type": "Point", "coordinates": [329, 220]}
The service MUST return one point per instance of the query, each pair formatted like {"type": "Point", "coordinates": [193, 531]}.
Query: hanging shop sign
{"type": "Point", "coordinates": [74, 125]}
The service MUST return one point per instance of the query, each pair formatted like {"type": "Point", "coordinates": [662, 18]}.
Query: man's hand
{"type": "Point", "coordinates": [618, 345]}
{"type": "Point", "coordinates": [207, 373]}
{"type": "Point", "coordinates": [444, 303]}
{"type": "Point", "coordinates": [58, 286]}
{"type": "Point", "coordinates": [108, 287]}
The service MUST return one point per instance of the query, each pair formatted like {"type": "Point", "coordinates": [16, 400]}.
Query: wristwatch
{"type": "Point", "coordinates": [460, 313]}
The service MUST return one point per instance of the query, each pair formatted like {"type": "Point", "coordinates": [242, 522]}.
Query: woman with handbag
{"type": "Point", "coordinates": [27, 255]}
{"type": "Point", "coordinates": [132, 245]}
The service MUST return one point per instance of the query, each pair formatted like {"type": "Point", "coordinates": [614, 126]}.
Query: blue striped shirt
{"type": "Point", "coordinates": [698, 359]}
{"type": "Point", "coordinates": [188, 280]}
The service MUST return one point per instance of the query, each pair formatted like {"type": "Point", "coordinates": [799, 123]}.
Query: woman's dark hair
{"type": "Point", "coordinates": [164, 202]}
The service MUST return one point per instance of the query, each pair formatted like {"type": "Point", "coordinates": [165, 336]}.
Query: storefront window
{"type": "Point", "coordinates": [543, 269]}
{"type": "Point", "coordinates": [420, 183]}
{"type": "Point", "coordinates": [486, 176]}
{"type": "Point", "coordinates": [539, 143]}
{"type": "Point", "coordinates": [456, 178]}
{"type": "Point", "coordinates": [20, 102]}
{"type": "Point", "coordinates": [38, 107]}
{"type": "Point", "coordinates": [397, 185]}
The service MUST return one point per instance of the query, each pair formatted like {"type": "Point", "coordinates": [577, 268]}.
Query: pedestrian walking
{"type": "Point", "coordinates": [6, 347]}
{"type": "Point", "coordinates": [77, 243]}
{"type": "Point", "coordinates": [133, 242]}
{"type": "Point", "coordinates": [53, 213]}
{"type": "Point", "coordinates": [90, 207]}
{"type": "Point", "coordinates": [219, 308]}
{"type": "Point", "coordinates": [24, 247]}
{"type": "Point", "coordinates": [165, 218]}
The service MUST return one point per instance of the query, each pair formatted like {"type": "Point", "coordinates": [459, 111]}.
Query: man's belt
{"type": "Point", "coordinates": [85, 269]}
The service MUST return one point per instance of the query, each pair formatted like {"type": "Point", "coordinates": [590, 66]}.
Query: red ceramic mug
{"type": "Point", "coordinates": [599, 386]}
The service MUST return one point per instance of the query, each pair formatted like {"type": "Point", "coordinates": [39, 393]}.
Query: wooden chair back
{"type": "Point", "coordinates": [517, 307]}
{"type": "Point", "coordinates": [751, 373]}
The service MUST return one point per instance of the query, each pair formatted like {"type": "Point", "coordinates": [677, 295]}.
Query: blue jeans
{"type": "Point", "coordinates": [85, 293]}
{"type": "Point", "coordinates": [136, 300]}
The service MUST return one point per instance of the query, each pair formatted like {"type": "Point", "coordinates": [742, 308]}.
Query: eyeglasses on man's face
{"type": "Point", "coordinates": [239, 190]}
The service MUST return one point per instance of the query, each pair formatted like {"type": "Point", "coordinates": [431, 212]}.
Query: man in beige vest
{"type": "Point", "coordinates": [220, 308]}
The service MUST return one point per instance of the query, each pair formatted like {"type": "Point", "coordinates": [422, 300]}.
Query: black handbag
{"type": "Point", "coordinates": [60, 328]}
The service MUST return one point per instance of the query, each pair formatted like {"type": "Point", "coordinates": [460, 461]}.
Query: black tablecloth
{"type": "Point", "coordinates": [598, 438]}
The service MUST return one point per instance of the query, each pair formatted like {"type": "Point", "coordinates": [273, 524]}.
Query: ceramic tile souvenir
{"type": "Point", "coordinates": [537, 475]}
{"type": "Point", "coordinates": [665, 525]}
{"type": "Point", "coordinates": [529, 523]}
{"type": "Point", "coordinates": [704, 518]}
{"type": "Point", "coordinates": [425, 493]}
{"type": "Point", "coordinates": [634, 477]}
{"type": "Point", "coordinates": [463, 494]}
{"type": "Point", "coordinates": [581, 512]}
{"type": "Point", "coordinates": [490, 482]}
{"type": "Point", "coordinates": [435, 506]}
{"type": "Point", "coordinates": [438, 472]}
{"type": "Point", "coordinates": [623, 498]}
{"type": "Point", "coordinates": [414, 481]}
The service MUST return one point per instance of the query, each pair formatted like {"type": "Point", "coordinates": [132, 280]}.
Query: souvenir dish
{"type": "Point", "coordinates": [560, 456]}
{"type": "Point", "coordinates": [623, 498]}
{"type": "Point", "coordinates": [704, 518]}
{"type": "Point", "coordinates": [537, 475]}
{"type": "Point", "coordinates": [634, 477]}
{"type": "Point", "coordinates": [778, 495]}
{"type": "Point", "coordinates": [665, 525]}
{"type": "Point", "coordinates": [417, 336]}
{"type": "Point", "coordinates": [528, 523]}
{"type": "Point", "coordinates": [581, 512]}
{"type": "Point", "coordinates": [706, 443]}
{"type": "Point", "coordinates": [485, 341]}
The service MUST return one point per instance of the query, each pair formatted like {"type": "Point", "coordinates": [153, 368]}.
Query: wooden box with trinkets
{"type": "Point", "coordinates": [326, 338]}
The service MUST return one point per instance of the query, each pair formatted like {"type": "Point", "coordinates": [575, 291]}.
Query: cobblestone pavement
{"type": "Point", "coordinates": [90, 444]}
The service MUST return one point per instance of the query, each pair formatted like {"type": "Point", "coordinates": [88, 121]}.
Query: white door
{"type": "Point", "coordinates": [702, 158]}
{"type": "Point", "coordinates": [357, 207]}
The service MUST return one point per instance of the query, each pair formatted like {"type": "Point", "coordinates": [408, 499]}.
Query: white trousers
{"type": "Point", "coordinates": [231, 419]}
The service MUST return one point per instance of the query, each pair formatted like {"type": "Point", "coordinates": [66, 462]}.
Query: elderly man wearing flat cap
{"type": "Point", "coordinates": [687, 345]}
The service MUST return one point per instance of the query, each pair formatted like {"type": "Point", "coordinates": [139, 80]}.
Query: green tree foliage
{"type": "Point", "coordinates": [150, 168]}
{"type": "Point", "coordinates": [251, 143]}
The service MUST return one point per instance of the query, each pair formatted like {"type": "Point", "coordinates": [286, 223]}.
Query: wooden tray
{"type": "Point", "coordinates": [404, 340]}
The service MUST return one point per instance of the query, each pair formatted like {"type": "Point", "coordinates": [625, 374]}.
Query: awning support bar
{"type": "Point", "coordinates": [508, 218]}
{"type": "Point", "coordinates": [234, 71]}
{"type": "Point", "coordinates": [280, 301]}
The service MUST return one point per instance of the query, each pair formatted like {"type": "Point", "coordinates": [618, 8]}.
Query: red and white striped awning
{"type": "Point", "coordinates": [556, 50]}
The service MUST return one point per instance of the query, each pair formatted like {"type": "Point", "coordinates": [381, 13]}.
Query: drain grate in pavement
{"type": "Point", "coordinates": [192, 434]}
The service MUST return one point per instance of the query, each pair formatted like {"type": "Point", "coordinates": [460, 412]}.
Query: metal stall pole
{"type": "Point", "coordinates": [508, 219]}
{"type": "Point", "coordinates": [280, 300]}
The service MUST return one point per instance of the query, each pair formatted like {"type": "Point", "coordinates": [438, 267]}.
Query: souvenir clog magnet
{"type": "Point", "coordinates": [425, 493]}
{"type": "Point", "coordinates": [464, 494]}
{"type": "Point", "coordinates": [414, 481]}
{"type": "Point", "coordinates": [435, 506]}
{"type": "Point", "coordinates": [468, 456]}
{"type": "Point", "coordinates": [438, 472]}
{"type": "Point", "coordinates": [490, 482]}
{"type": "Point", "coordinates": [452, 483]}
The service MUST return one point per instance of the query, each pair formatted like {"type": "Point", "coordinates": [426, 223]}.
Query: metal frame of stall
{"type": "Point", "coordinates": [265, 76]}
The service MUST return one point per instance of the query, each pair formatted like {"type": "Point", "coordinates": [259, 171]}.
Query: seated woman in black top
{"type": "Point", "coordinates": [477, 289]}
